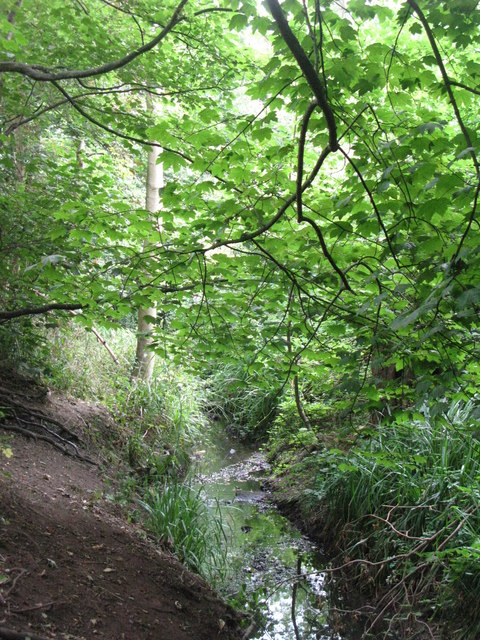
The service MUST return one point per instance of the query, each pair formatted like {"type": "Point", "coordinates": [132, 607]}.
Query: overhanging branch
{"type": "Point", "coordinates": [44, 74]}
{"type": "Point", "coordinates": [446, 81]}
{"type": "Point", "coordinates": [35, 311]}
{"type": "Point", "coordinates": [307, 68]}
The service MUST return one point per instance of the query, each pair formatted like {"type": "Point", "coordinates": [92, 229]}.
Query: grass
{"type": "Point", "coordinates": [159, 420]}
{"type": "Point", "coordinates": [181, 518]}
{"type": "Point", "coordinates": [247, 407]}
{"type": "Point", "coordinates": [403, 507]}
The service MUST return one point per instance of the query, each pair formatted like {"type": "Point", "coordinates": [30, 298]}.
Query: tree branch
{"type": "Point", "coordinates": [446, 80]}
{"type": "Point", "coordinates": [460, 85]}
{"type": "Point", "coordinates": [34, 311]}
{"type": "Point", "coordinates": [118, 134]}
{"type": "Point", "coordinates": [374, 205]}
{"type": "Point", "coordinates": [44, 74]}
{"type": "Point", "coordinates": [307, 68]}
{"type": "Point", "coordinates": [300, 217]}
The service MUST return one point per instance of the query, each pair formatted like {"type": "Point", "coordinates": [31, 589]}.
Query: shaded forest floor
{"type": "Point", "coordinates": [71, 566]}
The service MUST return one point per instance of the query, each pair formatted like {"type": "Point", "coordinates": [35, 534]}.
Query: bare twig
{"type": "Point", "coordinates": [21, 572]}
{"type": "Point", "coordinates": [104, 343]}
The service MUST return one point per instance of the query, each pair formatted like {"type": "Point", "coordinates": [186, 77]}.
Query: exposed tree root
{"type": "Point", "coordinates": [10, 634]}
{"type": "Point", "coordinates": [38, 425]}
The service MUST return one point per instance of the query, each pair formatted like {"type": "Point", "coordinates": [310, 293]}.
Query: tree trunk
{"type": "Point", "coordinates": [145, 357]}
{"type": "Point", "coordinates": [296, 386]}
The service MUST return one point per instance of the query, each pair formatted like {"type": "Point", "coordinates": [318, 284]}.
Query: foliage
{"type": "Point", "coordinates": [403, 507]}
{"type": "Point", "coordinates": [372, 276]}
{"type": "Point", "coordinates": [242, 402]}
{"type": "Point", "coordinates": [180, 517]}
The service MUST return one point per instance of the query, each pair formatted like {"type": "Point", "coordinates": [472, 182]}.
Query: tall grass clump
{"type": "Point", "coordinates": [246, 406]}
{"type": "Point", "coordinates": [182, 519]}
{"type": "Point", "coordinates": [403, 507]}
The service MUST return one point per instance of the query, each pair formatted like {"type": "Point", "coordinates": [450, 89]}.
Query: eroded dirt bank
{"type": "Point", "coordinates": [72, 567]}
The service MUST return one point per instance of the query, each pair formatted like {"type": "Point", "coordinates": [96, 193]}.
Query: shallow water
{"type": "Point", "coordinates": [265, 552]}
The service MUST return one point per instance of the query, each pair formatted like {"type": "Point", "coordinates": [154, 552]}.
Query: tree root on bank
{"type": "Point", "coordinates": [39, 426]}
{"type": "Point", "coordinates": [10, 634]}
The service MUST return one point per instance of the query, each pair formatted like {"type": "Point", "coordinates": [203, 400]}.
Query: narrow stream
{"type": "Point", "coordinates": [265, 552]}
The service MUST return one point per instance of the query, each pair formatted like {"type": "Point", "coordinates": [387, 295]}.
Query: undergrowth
{"type": "Point", "coordinates": [246, 407]}
{"type": "Point", "coordinates": [181, 518]}
{"type": "Point", "coordinates": [159, 421]}
{"type": "Point", "coordinates": [157, 424]}
{"type": "Point", "coordinates": [403, 509]}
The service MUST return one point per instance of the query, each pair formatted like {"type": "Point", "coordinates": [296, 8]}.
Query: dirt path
{"type": "Point", "coordinates": [71, 567]}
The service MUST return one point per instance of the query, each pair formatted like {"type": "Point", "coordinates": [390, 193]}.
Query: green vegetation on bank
{"type": "Point", "coordinates": [397, 505]}
{"type": "Point", "coordinates": [181, 518]}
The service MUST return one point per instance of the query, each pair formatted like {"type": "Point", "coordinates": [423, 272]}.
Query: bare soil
{"type": "Point", "coordinates": [72, 566]}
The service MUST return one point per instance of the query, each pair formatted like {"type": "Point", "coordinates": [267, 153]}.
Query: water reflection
{"type": "Point", "coordinates": [266, 555]}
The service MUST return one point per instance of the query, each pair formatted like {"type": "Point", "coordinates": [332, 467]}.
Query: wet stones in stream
{"type": "Point", "coordinates": [254, 467]}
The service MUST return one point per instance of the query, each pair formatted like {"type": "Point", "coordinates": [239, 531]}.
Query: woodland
{"type": "Point", "coordinates": [263, 214]}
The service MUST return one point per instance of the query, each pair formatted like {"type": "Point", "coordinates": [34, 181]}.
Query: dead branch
{"type": "Point", "coordinates": [104, 343]}
{"type": "Point", "coordinates": [21, 572]}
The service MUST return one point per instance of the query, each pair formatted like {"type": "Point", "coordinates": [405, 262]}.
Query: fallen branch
{"type": "Point", "coordinates": [34, 607]}
{"type": "Point", "coordinates": [15, 580]}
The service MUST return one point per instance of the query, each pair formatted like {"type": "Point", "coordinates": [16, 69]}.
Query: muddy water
{"type": "Point", "coordinates": [265, 552]}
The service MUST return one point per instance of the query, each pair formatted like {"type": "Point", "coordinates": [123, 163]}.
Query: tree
{"type": "Point", "coordinates": [145, 357]}
{"type": "Point", "coordinates": [373, 108]}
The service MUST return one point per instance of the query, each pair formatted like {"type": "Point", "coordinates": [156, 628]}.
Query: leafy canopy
{"type": "Point", "coordinates": [320, 210]}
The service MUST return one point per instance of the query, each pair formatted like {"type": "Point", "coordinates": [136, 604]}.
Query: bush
{"type": "Point", "coordinates": [247, 407]}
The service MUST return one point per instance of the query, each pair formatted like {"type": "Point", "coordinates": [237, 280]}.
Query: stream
{"type": "Point", "coordinates": [265, 551]}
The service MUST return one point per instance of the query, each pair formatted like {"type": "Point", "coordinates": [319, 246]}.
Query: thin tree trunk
{"type": "Point", "coordinates": [296, 386]}
{"type": "Point", "coordinates": [145, 357]}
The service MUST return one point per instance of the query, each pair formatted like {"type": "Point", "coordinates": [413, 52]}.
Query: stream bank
{"type": "Point", "coordinates": [72, 566]}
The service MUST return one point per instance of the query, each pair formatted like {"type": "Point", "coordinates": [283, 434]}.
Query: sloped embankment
{"type": "Point", "coordinates": [71, 566]}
